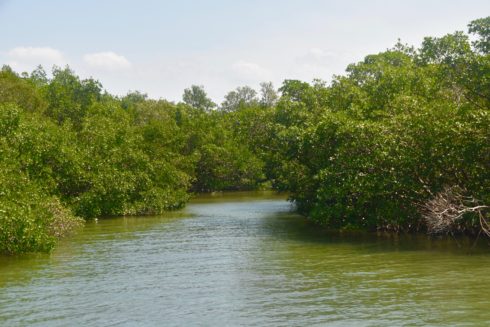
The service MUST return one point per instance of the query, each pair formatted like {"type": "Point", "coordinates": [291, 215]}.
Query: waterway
{"type": "Point", "coordinates": [245, 259]}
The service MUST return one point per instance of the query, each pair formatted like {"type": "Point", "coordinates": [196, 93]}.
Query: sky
{"type": "Point", "coordinates": [162, 47]}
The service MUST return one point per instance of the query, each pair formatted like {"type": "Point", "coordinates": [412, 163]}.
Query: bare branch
{"type": "Point", "coordinates": [443, 212]}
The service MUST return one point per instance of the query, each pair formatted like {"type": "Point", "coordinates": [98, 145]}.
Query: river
{"type": "Point", "coordinates": [244, 259]}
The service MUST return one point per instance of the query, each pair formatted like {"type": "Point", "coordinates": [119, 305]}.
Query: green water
{"type": "Point", "coordinates": [246, 260]}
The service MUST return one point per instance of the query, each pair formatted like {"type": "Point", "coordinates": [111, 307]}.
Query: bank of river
{"type": "Point", "coordinates": [243, 259]}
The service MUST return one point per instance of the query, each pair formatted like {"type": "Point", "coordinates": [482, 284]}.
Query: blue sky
{"type": "Point", "coordinates": [162, 47]}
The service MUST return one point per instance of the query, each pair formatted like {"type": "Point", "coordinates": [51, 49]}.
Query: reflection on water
{"type": "Point", "coordinates": [244, 259]}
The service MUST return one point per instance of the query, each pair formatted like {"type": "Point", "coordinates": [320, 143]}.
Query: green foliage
{"type": "Point", "coordinates": [228, 167]}
{"type": "Point", "coordinates": [239, 98]}
{"type": "Point", "coordinates": [364, 151]}
{"type": "Point", "coordinates": [448, 49]}
{"type": "Point", "coordinates": [481, 27]}
{"type": "Point", "coordinates": [69, 97]}
{"type": "Point", "coordinates": [197, 98]}
{"type": "Point", "coordinates": [369, 149]}
{"type": "Point", "coordinates": [20, 91]}
{"type": "Point", "coordinates": [67, 149]}
{"type": "Point", "coordinates": [268, 94]}
{"type": "Point", "coordinates": [131, 99]}
{"type": "Point", "coordinates": [31, 219]}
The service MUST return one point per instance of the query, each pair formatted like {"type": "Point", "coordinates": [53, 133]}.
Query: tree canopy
{"type": "Point", "coordinates": [371, 149]}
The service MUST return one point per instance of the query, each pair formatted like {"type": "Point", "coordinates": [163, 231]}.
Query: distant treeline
{"type": "Point", "coordinates": [371, 149]}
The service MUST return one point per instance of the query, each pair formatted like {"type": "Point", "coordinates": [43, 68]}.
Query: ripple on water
{"type": "Point", "coordinates": [226, 261]}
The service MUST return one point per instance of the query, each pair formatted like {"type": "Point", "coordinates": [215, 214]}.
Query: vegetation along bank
{"type": "Point", "coordinates": [400, 142]}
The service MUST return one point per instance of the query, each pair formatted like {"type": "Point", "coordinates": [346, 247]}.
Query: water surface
{"type": "Point", "coordinates": [244, 260]}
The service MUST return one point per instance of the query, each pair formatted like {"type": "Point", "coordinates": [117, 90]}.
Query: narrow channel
{"type": "Point", "coordinates": [243, 259]}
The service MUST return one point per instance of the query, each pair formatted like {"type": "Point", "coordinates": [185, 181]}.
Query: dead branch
{"type": "Point", "coordinates": [443, 212]}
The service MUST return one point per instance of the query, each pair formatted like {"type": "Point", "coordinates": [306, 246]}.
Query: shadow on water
{"type": "Point", "coordinates": [244, 259]}
{"type": "Point", "coordinates": [237, 197]}
{"type": "Point", "coordinates": [291, 226]}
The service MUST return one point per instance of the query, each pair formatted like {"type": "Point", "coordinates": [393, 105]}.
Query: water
{"type": "Point", "coordinates": [244, 260]}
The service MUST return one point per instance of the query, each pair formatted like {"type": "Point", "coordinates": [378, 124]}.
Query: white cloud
{"type": "Point", "coordinates": [250, 71]}
{"type": "Point", "coordinates": [27, 58]}
{"type": "Point", "coordinates": [36, 53]}
{"type": "Point", "coordinates": [107, 61]}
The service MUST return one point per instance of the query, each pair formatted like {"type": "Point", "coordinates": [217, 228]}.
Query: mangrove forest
{"type": "Point", "coordinates": [400, 142]}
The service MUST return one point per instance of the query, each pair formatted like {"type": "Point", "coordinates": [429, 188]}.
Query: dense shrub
{"type": "Point", "coordinates": [367, 150]}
